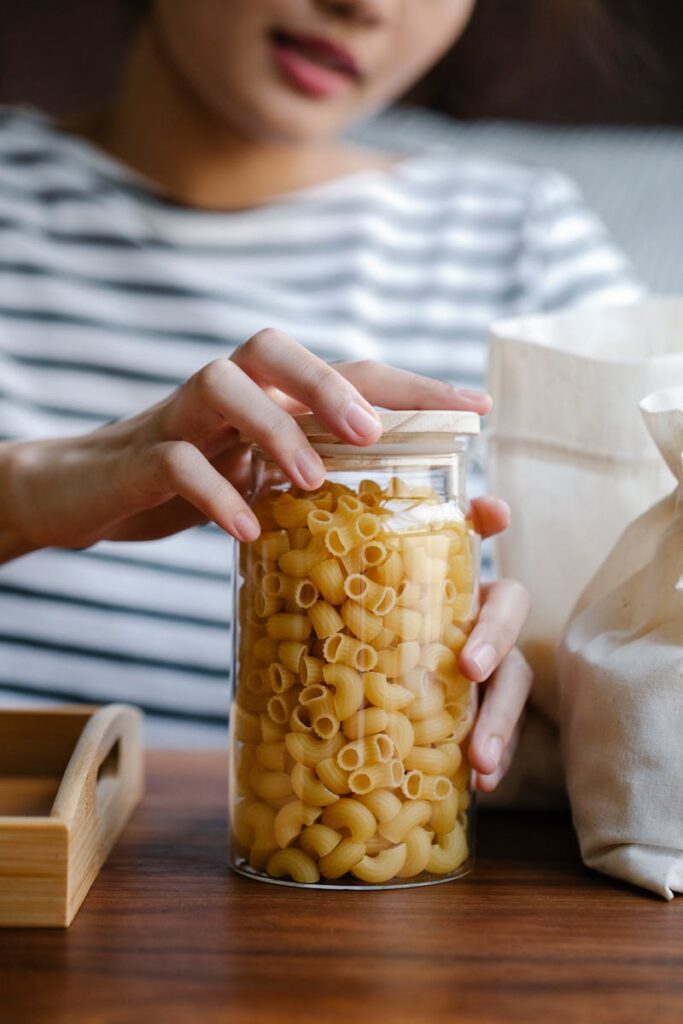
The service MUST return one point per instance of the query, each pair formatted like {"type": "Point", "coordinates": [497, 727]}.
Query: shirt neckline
{"type": "Point", "coordinates": [111, 168]}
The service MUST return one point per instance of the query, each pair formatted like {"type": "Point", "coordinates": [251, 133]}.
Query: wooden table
{"type": "Point", "coordinates": [169, 935]}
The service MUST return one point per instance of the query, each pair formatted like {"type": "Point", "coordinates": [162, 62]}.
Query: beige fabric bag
{"type": "Point", "coordinates": [621, 688]}
{"type": "Point", "coordinates": [567, 453]}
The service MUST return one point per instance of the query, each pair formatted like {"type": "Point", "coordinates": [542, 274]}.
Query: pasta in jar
{"type": "Point", "coordinates": [350, 717]}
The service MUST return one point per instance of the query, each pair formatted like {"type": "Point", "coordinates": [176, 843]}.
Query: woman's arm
{"type": "Point", "coordinates": [182, 462]}
{"type": "Point", "coordinates": [13, 542]}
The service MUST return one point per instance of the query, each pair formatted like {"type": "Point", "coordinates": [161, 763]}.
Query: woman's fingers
{"type": "Point", "coordinates": [487, 782]}
{"type": "Point", "coordinates": [503, 613]}
{"type": "Point", "coordinates": [491, 745]}
{"type": "Point", "coordinates": [177, 513]}
{"type": "Point", "coordinates": [342, 395]}
{"type": "Point", "coordinates": [489, 516]}
{"type": "Point", "coordinates": [272, 358]}
{"type": "Point", "coordinates": [400, 389]}
{"type": "Point", "coordinates": [178, 468]}
{"type": "Point", "coordinates": [266, 379]}
{"type": "Point", "coordinates": [222, 393]}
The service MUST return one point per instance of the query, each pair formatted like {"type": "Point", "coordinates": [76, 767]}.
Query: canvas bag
{"type": "Point", "coordinates": [567, 453]}
{"type": "Point", "coordinates": [621, 688]}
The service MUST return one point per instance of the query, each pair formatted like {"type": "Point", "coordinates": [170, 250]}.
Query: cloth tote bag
{"type": "Point", "coordinates": [621, 688]}
{"type": "Point", "coordinates": [568, 454]}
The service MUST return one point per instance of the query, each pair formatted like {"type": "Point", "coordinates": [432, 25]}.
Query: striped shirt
{"type": "Point", "coordinates": [111, 295]}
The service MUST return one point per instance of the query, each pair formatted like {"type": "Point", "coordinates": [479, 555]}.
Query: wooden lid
{"type": "Point", "coordinates": [419, 426]}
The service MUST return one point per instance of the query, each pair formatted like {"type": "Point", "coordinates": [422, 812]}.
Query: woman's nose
{"type": "Point", "coordinates": [367, 12]}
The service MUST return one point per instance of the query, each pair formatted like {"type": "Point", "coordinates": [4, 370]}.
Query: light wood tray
{"type": "Point", "coordinates": [69, 780]}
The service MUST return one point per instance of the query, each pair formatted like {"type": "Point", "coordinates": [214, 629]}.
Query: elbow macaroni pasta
{"type": "Point", "coordinates": [350, 713]}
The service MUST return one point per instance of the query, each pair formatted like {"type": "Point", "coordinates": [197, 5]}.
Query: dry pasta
{"type": "Point", "coordinates": [449, 852]}
{"type": "Point", "coordinates": [350, 816]}
{"type": "Point", "coordinates": [310, 789]}
{"type": "Point", "coordinates": [311, 670]}
{"type": "Point", "coordinates": [301, 561]}
{"type": "Point", "coordinates": [418, 845]}
{"type": "Point", "coordinates": [401, 731]}
{"type": "Point", "coordinates": [364, 624]}
{"type": "Point", "coordinates": [291, 819]}
{"type": "Point", "coordinates": [266, 649]}
{"type": "Point", "coordinates": [433, 730]}
{"type": "Point", "coordinates": [350, 709]}
{"type": "Point", "coordinates": [333, 776]}
{"type": "Point", "coordinates": [325, 619]}
{"type": "Point", "coordinates": [270, 785]}
{"type": "Point", "coordinates": [348, 689]}
{"type": "Point", "coordinates": [376, 844]}
{"type": "Point", "coordinates": [399, 660]}
{"type": "Point", "coordinates": [409, 817]}
{"type": "Point", "coordinates": [281, 678]}
{"type": "Point", "coordinates": [365, 723]}
{"type": "Point", "coordinates": [379, 599]}
{"type": "Point", "coordinates": [281, 706]}
{"type": "Point", "coordinates": [349, 650]}
{"type": "Point", "coordinates": [434, 760]}
{"type": "Point", "coordinates": [384, 694]}
{"type": "Point", "coordinates": [444, 814]}
{"type": "Point", "coordinates": [288, 626]}
{"type": "Point", "coordinates": [319, 840]}
{"type": "Point", "coordinates": [342, 859]}
{"type": "Point", "coordinates": [329, 579]}
{"type": "Point", "coordinates": [369, 750]}
{"type": "Point", "coordinates": [299, 537]}
{"type": "Point", "coordinates": [270, 731]}
{"type": "Point", "coordinates": [377, 776]}
{"type": "Point", "coordinates": [428, 704]}
{"type": "Point", "coordinates": [308, 750]}
{"type": "Point", "coordinates": [388, 573]}
{"type": "Point", "coordinates": [290, 512]}
{"type": "Point", "coordinates": [295, 863]}
{"type": "Point", "coordinates": [384, 804]}
{"type": "Point", "coordinates": [272, 755]}
{"type": "Point", "coordinates": [383, 639]}
{"type": "Point", "coordinates": [300, 719]}
{"type": "Point", "coordinates": [383, 866]}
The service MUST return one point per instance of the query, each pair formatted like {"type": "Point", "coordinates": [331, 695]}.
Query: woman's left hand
{"type": "Point", "coordinates": [490, 655]}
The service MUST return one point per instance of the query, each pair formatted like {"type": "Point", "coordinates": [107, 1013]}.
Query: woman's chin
{"type": "Point", "coordinates": [284, 117]}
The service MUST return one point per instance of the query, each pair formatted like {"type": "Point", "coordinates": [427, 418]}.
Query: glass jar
{"type": "Point", "coordinates": [350, 718]}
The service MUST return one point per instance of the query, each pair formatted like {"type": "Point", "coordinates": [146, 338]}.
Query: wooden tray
{"type": "Point", "coordinates": [69, 779]}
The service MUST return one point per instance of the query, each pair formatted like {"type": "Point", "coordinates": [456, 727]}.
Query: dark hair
{"type": "Point", "coordinates": [551, 60]}
{"type": "Point", "coordinates": [138, 9]}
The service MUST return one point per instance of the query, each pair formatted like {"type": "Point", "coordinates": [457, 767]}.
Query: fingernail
{"type": "Point", "coordinates": [361, 421]}
{"type": "Point", "coordinates": [246, 526]}
{"type": "Point", "coordinates": [310, 466]}
{"type": "Point", "coordinates": [493, 750]}
{"type": "Point", "coordinates": [484, 657]}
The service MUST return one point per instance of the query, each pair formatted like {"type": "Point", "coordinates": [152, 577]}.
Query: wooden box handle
{"type": "Point", "coordinates": [106, 763]}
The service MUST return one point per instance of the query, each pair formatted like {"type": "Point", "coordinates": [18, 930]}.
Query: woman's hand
{"type": "Point", "coordinates": [491, 657]}
{"type": "Point", "coordinates": [184, 461]}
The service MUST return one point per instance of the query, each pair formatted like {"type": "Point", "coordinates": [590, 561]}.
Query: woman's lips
{"type": "Point", "coordinates": [314, 65]}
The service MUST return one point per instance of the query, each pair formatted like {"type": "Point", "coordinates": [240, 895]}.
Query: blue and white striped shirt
{"type": "Point", "coordinates": [110, 296]}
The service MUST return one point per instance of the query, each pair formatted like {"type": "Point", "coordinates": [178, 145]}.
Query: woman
{"type": "Point", "coordinates": [145, 245]}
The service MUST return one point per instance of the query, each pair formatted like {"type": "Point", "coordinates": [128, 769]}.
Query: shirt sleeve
{"type": "Point", "coordinates": [569, 257]}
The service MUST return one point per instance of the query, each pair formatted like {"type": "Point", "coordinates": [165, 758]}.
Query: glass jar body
{"type": "Point", "coordinates": [350, 718]}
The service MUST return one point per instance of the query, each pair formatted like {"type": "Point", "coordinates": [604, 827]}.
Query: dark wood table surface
{"type": "Point", "coordinates": [169, 935]}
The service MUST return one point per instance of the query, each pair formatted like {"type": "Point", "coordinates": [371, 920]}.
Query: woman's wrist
{"type": "Point", "coordinates": [14, 540]}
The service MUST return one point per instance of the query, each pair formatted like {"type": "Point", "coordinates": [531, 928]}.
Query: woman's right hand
{"type": "Point", "coordinates": [184, 460]}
